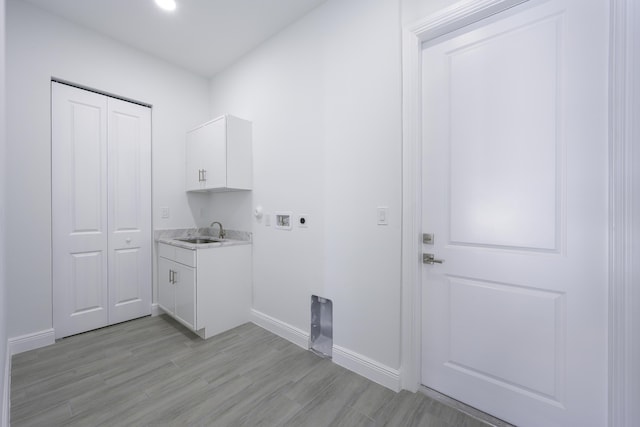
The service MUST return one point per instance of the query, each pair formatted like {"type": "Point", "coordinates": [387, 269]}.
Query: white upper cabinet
{"type": "Point", "coordinates": [219, 155]}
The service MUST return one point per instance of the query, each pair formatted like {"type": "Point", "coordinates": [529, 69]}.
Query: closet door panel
{"type": "Point", "coordinates": [129, 141]}
{"type": "Point", "coordinates": [79, 210]}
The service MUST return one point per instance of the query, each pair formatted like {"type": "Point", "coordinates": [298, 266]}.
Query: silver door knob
{"type": "Point", "coordinates": [431, 259]}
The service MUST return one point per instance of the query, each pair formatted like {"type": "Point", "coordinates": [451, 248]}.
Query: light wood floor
{"type": "Point", "coordinates": [153, 372]}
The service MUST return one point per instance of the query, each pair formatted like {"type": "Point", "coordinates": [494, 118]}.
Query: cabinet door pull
{"type": "Point", "coordinates": [204, 174]}
{"type": "Point", "coordinates": [170, 276]}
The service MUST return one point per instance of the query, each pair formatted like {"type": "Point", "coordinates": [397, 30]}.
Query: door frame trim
{"type": "Point", "coordinates": [624, 96]}
{"type": "Point", "coordinates": [624, 211]}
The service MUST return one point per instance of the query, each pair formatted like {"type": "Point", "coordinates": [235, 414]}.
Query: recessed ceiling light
{"type": "Point", "coordinates": [169, 5]}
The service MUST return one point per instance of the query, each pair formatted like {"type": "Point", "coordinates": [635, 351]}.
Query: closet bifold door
{"type": "Point", "coordinates": [101, 210]}
{"type": "Point", "coordinates": [79, 210]}
{"type": "Point", "coordinates": [129, 181]}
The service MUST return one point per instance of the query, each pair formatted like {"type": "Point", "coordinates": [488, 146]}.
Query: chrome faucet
{"type": "Point", "coordinates": [222, 233]}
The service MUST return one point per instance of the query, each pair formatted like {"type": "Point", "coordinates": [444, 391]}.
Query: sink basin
{"type": "Point", "coordinates": [200, 240]}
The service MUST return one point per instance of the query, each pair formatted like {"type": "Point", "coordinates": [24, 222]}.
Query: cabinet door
{"type": "Point", "coordinates": [239, 154]}
{"type": "Point", "coordinates": [196, 147]}
{"type": "Point", "coordinates": [185, 294]}
{"type": "Point", "coordinates": [216, 159]}
{"type": "Point", "coordinates": [166, 293]}
{"type": "Point", "coordinates": [207, 156]}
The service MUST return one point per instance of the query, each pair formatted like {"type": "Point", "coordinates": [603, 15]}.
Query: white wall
{"type": "Point", "coordinates": [4, 392]}
{"type": "Point", "coordinates": [324, 98]}
{"type": "Point", "coordinates": [416, 10]}
{"type": "Point", "coordinates": [40, 46]}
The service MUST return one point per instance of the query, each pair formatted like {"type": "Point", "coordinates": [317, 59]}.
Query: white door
{"type": "Point", "coordinates": [79, 210]}
{"type": "Point", "coordinates": [101, 210]}
{"type": "Point", "coordinates": [514, 173]}
{"type": "Point", "coordinates": [129, 177]}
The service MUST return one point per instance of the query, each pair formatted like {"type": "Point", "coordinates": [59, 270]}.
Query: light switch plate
{"type": "Point", "coordinates": [164, 212]}
{"type": "Point", "coordinates": [383, 215]}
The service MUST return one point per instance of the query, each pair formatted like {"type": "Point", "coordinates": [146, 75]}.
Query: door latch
{"type": "Point", "coordinates": [430, 259]}
{"type": "Point", "coordinates": [427, 238]}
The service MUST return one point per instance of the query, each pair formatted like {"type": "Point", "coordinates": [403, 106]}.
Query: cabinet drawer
{"type": "Point", "coordinates": [181, 255]}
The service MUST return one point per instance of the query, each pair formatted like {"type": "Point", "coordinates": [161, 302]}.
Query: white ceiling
{"type": "Point", "coordinates": [203, 36]}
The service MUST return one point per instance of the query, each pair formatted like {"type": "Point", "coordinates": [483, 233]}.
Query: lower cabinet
{"type": "Point", "coordinates": [207, 290]}
{"type": "Point", "coordinates": [177, 291]}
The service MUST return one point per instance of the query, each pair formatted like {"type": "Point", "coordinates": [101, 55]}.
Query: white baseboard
{"type": "Point", "coordinates": [31, 341]}
{"type": "Point", "coordinates": [282, 329]}
{"type": "Point", "coordinates": [156, 310]}
{"type": "Point", "coordinates": [6, 390]}
{"type": "Point", "coordinates": [348, 359]}
{"type": "Point", "coordinates": [366, 367]}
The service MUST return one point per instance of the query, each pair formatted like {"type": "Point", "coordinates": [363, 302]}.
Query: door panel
{"type": "Point", "coordinates": [79, 210]}
{"type": "Point", "coordinates": [483, 344]}
{"type": "Point", "coordinates": [501, 127]}
{"type": "Point", "coordinates": [514, 191]}
{"type": "Point", "coordinates": [125, 167]}
{"type": "Point", "coordinates": [130, 210]}
{"type": "Point", "coordinates": [87, 283]}
{"type": "Point", "coordinates": [87, 148]}
{"type": "Point", "coordinates": [126, 289]}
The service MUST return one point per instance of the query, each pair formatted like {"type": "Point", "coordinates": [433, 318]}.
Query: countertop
{"type": "Point", "coordinates": [232, 237]}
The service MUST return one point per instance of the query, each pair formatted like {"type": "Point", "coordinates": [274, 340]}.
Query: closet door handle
{"type": "Point", "coordinates": [431, 259]}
